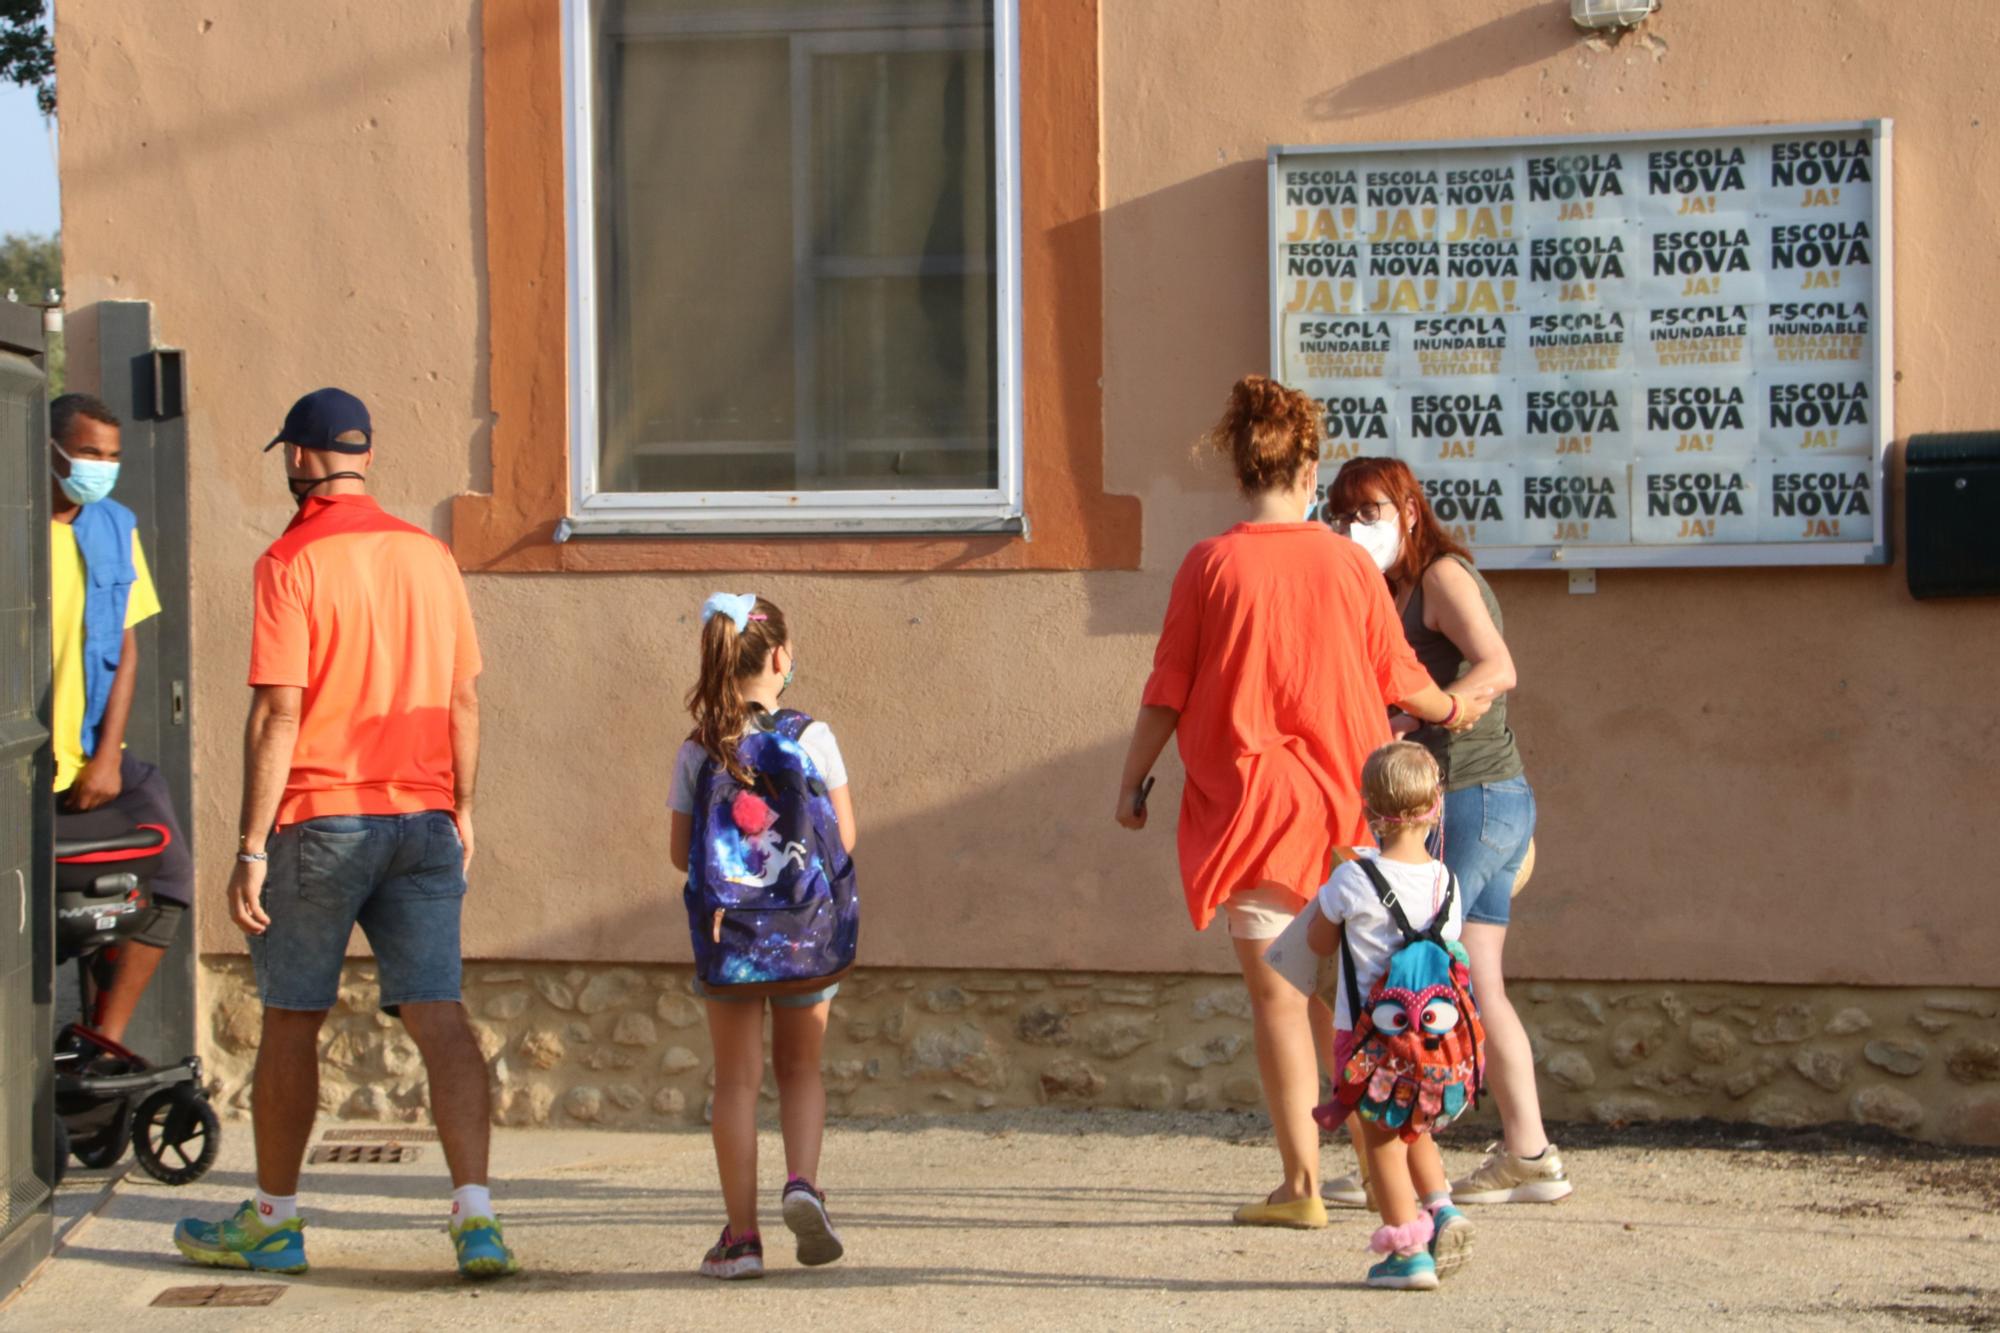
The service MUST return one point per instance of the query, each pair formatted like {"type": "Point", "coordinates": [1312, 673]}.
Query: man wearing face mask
{"type": "Point", "coordinates": [100, 589]}
{"type": "Point", "coordinates": [360, 759]}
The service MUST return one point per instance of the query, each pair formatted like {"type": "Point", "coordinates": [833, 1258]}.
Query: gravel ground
{"type": "Point", "coordinates": [1080, 1220]}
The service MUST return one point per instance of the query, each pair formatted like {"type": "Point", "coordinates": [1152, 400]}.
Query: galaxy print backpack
{"type": "Point", "coordinates": [1419, 1058]}
{"type": "Point", "coordinates": [770, 893]}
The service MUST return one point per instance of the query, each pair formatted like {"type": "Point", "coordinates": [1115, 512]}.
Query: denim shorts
{"type": "Point", "coordinates": [804, 1001]}
{"type": "Point", "coordinates": [401, 878]}
{"type": "Point", "coordinates": [1486, 832]}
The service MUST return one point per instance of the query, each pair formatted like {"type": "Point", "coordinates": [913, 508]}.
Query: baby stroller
{"type": "Point", "coordinates": [108, 1098]}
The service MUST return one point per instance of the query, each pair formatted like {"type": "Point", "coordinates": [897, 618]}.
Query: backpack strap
{"type": "Point", "coordinates": [1353, 985]}
{"type": "Point", "coordinates": [1434, 930]}
{"type": "Point", "coordinates": [787, 722]}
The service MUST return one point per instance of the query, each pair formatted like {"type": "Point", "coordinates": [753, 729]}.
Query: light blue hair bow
{"type": "Point", "coordinates": [736, 605]}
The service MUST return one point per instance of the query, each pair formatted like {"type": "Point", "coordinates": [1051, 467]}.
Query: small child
{"type": "Point", "coordinates": [746, 662]}
{"type": "Point", "coordinates": [1422, 1237]}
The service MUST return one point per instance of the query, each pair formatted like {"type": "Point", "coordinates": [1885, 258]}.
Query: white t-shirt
{"type": "Point", "coordinates": [816, 740]}
{"type": "Point", "coordinates": [1347, 897]}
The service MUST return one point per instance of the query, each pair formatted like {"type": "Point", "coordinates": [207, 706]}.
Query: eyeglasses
{"type": "Point", "coordinates": [1371, 511]}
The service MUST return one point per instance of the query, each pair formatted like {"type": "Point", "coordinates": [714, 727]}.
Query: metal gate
{"type": "Point", "coordinates": [27, 939]}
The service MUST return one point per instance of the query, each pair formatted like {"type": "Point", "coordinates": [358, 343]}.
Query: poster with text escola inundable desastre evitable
{"type": "Point", "coordinates": [1661, 349]}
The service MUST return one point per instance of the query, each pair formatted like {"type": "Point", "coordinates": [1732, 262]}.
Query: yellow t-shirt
{"type": "Point", "coordinates": [66, 585]}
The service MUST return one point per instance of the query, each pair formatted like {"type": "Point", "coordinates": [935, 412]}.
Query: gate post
{"type": "Point", "coordinates": [143, 385]}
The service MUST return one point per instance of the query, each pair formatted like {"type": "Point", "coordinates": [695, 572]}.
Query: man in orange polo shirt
{"type": "Point", "coordinates": [360, 759]}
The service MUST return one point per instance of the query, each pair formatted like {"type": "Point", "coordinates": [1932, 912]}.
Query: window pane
{"type": "Point", "coordinates": [796, 245]}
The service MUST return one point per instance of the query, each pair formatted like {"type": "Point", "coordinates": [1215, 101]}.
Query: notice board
{"type": "Point", "coordinates": [1615, 350]}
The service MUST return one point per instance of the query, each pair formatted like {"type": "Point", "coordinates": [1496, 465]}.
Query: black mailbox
{"type": "Point", "coordinates": [1951, 513]}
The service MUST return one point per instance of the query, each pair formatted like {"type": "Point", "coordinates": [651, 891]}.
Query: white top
{"type": "Point", "coordinates": [816, 740]}
{"type": "Point", "coordinates": [1372, 937]}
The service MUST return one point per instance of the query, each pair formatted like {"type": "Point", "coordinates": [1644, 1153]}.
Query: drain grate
{"type": "Point", "coordinates": [364, 1154]}
{"type": "Point", "coordinates": [412, 1135]}
{"type": "Point", "coordinates": [218, 1296]}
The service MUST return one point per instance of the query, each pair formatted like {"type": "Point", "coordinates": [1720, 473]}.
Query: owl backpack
{"type": "Point", "coordinates": [1419, 1057]}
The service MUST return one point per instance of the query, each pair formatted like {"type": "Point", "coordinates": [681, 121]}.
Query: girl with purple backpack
{"type": "Point", "coordinates": [763, 824]}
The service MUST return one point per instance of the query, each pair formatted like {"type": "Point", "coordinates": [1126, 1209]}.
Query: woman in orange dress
{"type": "Point", "coordinates": [1279, 658]}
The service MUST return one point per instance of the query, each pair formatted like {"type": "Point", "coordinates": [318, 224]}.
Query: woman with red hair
{"type": "Point", "coordinates": [1275, 668]}
{"type": "Point", "coordinates": [1452, 621]}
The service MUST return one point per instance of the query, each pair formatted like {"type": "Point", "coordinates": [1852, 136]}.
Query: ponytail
{"type": "Point", "coordinates": [729, 657]}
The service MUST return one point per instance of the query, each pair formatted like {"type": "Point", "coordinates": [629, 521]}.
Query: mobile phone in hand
{"type": "Point", "coordinates": [1139, 800]}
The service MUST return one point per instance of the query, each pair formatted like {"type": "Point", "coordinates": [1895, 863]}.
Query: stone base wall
{"type": "Point", "coordinates": [627, 1047]}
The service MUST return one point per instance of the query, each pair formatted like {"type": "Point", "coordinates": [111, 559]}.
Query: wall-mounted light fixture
{"type": "Point", "coordinates": [1610, 13]}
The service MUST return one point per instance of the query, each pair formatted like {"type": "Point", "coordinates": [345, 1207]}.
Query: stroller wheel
{"type": "Point", "coordinates": [107, 1146]}
{"type": "Point", "coordinates": [176, 1136]}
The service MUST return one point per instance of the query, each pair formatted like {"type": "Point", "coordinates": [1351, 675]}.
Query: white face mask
{"type": "Point", "coordinates": [1382, 539]}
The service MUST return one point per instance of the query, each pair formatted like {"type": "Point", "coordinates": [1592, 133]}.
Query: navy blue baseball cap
{"type": "Point", "coordinates": [318, 420]}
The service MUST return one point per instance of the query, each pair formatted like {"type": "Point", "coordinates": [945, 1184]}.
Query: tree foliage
{"type": "Point", "coordinates": [30, 265]}
{"type": "Point", "coordinates": [27, 51]}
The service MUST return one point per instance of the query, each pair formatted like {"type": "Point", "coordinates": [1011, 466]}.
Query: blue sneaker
{"type": "Point", "coordinates": [244, 1241]}
{"type": "Point", "coordinates": [1451, 1240]}
{"type": "Point", "coordinates": [1405, 1272]}
{"type": "Point", "coordinates": [482, 1251]}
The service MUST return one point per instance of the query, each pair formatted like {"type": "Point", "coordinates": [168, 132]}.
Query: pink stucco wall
{"type": "Point", "coordinates": [1743, 775]}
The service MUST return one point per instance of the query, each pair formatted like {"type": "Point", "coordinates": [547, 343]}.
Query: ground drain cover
{"type": "Point", "coordinates": [191, 1298]}
{"type": "Point", "coordinates": [377, 1136]}
{"type": "Point", "coordinates": [364, 1154]}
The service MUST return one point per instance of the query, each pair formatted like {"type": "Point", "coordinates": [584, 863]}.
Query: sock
{"type": "Point", "coordinates": [1433, 1202]}
{"type": "Point", "coordinates": [1404, 1240]}
{"type": "Point", "coordinates": [470, 1201]}
{"type": "Point", "coordinates": [276, 1209]}
{"type": "Point", "coordinates": [1540, 1155]}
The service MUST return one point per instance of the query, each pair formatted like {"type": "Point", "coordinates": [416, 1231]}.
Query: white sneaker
{"type": "Point", "coordinates": [1505, 1178]}
{"type": "Point", "coordinates": [1345, 1192]}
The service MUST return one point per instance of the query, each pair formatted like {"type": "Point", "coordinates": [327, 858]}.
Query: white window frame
{"type": "Point", "coordinates": [595, 512]}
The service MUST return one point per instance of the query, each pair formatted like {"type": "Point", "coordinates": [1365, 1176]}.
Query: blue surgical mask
{"type": "Point", "coordinates": [790, 671]}
{"type": "Point", "coordinates": [89, 479]}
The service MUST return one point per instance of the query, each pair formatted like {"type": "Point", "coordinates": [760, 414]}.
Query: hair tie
{"type": "Point", "coordinates": [738, 606]}
{"type": "Point", "coordinates": [1430, 815]}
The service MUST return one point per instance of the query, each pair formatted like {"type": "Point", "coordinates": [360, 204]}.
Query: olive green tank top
{"type": "Point", "coordinates": [1487, 752]}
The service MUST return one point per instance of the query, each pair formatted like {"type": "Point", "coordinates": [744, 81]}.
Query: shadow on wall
{"type": "Point", "coordinates": [1531, 34]}
{"type": "Point", "coordinates": [1203, 243]}
{"type": "Point", "coordinates": [1028, 870]}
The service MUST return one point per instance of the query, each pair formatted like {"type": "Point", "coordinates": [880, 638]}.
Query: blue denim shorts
{"type": "Point", "coordinates": [805, 1001]}
{"type": "Point", "coordinates": [1486, 832]}
{"type": "Point", "coordinates": [401, 878]}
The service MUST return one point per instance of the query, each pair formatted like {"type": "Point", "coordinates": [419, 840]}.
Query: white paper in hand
{"type": "Point", "coordinates": [1292, 957]}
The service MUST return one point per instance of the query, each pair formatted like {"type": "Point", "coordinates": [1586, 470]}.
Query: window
{"type": "Point", "coordinates": [793, 248]}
